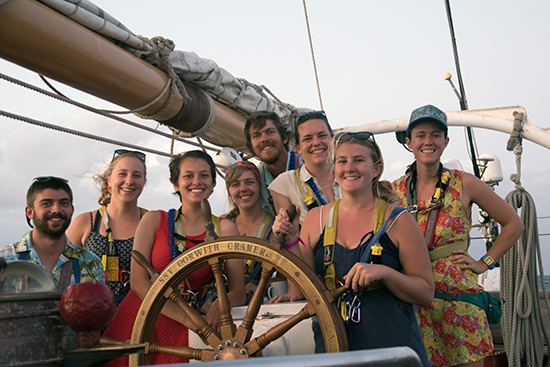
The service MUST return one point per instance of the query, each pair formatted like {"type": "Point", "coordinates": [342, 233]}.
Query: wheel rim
{"type": "Point", "coordinates": [272, 258]}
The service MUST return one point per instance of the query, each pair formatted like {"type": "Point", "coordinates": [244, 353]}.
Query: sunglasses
{"type": "Point", "coordinates": [304, 116]}
{"type": "Point", "coordinates": [49, 178]}
{"type": "Point", "coordinates": [140, 155]}
{"type": "Point", "coordinates": [362, 135]}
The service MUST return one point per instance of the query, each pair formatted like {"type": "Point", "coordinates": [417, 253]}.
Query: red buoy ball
{"type": "Point", "coordinates": [87, 308]}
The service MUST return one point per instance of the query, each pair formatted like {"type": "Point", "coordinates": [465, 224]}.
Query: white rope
{"type": "Point", "coordinates": [521, 322]}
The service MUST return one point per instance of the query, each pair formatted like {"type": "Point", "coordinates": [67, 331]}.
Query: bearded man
{"type": "Point", "coordinates": [50, 207]}
{"type": "Point", "coordinates": [267, 138]}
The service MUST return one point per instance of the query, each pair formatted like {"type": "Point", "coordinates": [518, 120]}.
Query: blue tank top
{"type": "Point", "coordinates": [386, 320]}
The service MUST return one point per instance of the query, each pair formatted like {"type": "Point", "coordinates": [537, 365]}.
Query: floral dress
{"type": "Point", "coordinates": [453, 332]}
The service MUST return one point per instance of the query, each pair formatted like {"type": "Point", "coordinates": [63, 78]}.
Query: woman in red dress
{"type": "Point", "coordinates": [193, 176]}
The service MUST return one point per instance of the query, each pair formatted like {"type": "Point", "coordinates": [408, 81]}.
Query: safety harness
{"type": "Point", "coordinates": [110, 260]}
{"type": "Point", "coordinates": [309, 191]}
{"type": "Point", "coordinates": [330, 238]}
{"type": "Point", "coordinates": [178, 246]}
{"type": "Point", "coordinates": [434, 208]}
{"type": "Point", "coordinates": [251, 267]}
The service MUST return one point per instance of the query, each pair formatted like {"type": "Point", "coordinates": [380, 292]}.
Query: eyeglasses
{"type": "Point", "coordinates": [49, 178]}
{"type": "Point", "coordinates": [140, 155]}
{"type": "Point", "coordinates": [361, 135]}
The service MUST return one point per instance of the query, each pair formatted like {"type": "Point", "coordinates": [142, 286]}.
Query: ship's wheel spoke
{"type": "Point", "coordinates": [204, 328]}
{"type": "Point", "coordinates": [227, 327]}
{"type": "Point", "coordinates": [244, 332]}
{"type": "Point", "coordinates": [278, 330]}
{"type": "Point", "coordinates": [204, 355]}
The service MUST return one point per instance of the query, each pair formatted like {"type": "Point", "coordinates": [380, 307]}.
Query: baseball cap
{"type": "Point", "coordinates": [427, 113]}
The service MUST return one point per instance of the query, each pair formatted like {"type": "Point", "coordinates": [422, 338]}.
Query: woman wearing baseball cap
{"type": "Point", "coordinates": [455, 330]}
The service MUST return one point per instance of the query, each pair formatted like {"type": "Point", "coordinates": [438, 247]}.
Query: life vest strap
{"type": "Point", "coordinates": [330, 237]}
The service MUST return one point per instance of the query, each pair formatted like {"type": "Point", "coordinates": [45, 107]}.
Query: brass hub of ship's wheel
{"type": "Point", "coordinates": [232, 342]}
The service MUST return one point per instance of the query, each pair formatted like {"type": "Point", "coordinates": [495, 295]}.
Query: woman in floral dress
{"type": "Point", "coordinates": [454, 332]}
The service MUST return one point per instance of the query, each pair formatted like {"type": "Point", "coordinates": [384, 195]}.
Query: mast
{"type": "Point", "coordinates": [462, 96]}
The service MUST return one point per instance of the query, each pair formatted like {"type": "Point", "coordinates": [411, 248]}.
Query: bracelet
{"type": "Point", "coordinates": [489, 261]}
{"type": "Point", "coordinates": [291, 244]}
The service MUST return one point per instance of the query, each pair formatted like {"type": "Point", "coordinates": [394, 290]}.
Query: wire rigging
{"type": "Point", "coordinates": [104, 113]}
{"type": "Point", "coordinates": [463, 101]}
{"type": "Point", "coordinates": [313, 56]}
{"type": "Point", "coordinates": [80, 133]}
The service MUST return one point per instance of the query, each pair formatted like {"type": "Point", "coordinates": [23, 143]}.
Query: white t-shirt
{"type": "Point", "coordinates": [287, 185]}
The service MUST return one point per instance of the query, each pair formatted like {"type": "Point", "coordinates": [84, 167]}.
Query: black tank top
{"type": "Point", "coordinates": [98, 243]}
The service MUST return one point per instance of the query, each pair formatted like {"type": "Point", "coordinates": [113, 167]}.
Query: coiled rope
{"type": "Point", "coordinates": [524, 335]}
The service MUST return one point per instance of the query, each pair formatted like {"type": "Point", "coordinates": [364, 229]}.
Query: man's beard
{"type": "Point", "coordinates": [270, 159]}
{"type": "Point", "coordinates": [41, 225]}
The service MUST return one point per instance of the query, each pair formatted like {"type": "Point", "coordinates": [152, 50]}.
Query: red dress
{"type": "Point", "coordinates": [167, 331]}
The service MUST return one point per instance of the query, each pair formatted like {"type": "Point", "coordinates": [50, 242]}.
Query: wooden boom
{"type": "Point", "coordinates": [38, 38]}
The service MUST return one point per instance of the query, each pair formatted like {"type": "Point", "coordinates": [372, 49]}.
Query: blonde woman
{"type": "Point", "coordinates": [161, 237]}
{"type": "Point", "coordinates": [387, 275]}
{"type": "Point", "coordinates": [109, 231]}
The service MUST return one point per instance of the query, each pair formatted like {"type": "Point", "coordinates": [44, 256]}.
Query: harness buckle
{"type": "Point", "coordinates": [450, 296]}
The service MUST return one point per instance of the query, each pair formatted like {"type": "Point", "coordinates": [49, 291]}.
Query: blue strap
{"type": "Point", "coordinates": [171, 214]}
{"type": "Point", "coordinates": [292, 162]}
{"type": "Point", "coordinates": [76, 270]}
{"type": "Point", "coordinates": [23, 255]}
{"type": "Point", "coordinates": [376, 238]}
{"type": "Point", "coordinates": [268, 233]}
{"type": "Point", "coordinates": [315, 190]}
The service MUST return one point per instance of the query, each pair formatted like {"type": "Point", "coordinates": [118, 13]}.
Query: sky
{"type": "Point", "coordinates": [375, 60]}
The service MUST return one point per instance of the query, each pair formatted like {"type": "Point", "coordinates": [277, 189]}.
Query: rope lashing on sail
{"type": "Point", "coordinates": [161, 52]}
{"type": "Point", "coordinates": [521, 322]}
{"type": "Point", "coordinates": [101, 112]}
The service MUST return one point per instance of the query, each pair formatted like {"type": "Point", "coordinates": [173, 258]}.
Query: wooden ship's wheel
{"type": "Point", "coordinates": [232, 342]}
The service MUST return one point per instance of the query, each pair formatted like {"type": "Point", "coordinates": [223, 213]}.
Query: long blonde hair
{"type": "Point", "coordinates": [380, 189]}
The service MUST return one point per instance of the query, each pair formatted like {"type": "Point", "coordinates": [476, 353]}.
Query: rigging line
{"type": "Point", "coordinates": [463, 101]}
{"type": "Point", "coordinates": [80, 133]}
{"type": "Point", "coordinates": [99, 112]}
{"type": "Point", "coordinates": [218, 171]}
{"type": "Point", "coordinates": [85, 135]}
{"type": "Point", "coordinates": [313, 56]}
{"type": "Point", "coordinates": [46, 81]}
